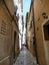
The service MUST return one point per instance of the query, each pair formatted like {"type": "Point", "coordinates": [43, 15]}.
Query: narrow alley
{"type": "Point", "coordinates": [24, 32]}
{"type": "Point", "coordinates": [25, 58]}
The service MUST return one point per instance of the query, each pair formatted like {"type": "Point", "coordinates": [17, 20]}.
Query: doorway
{"type": "Point", "coordinates": [14, 45]}
{"type": "Point", "coordinates": [45, 33]}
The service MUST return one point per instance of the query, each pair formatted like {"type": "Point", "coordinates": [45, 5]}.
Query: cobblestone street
{"type": "Point", "coordinates": [25, 58]}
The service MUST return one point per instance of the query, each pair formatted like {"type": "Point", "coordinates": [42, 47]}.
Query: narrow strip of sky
{"type": "Point", "coordinates": [26, 7]}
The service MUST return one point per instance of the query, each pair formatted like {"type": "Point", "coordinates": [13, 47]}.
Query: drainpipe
{"type": "Point", "coordinates": [35, 43]}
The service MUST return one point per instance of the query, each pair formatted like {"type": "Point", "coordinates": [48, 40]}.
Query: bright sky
{"type": "Point", "coordinates": [26, 7]}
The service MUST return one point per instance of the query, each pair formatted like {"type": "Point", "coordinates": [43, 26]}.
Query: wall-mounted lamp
{"type": "Point", "coordinates": [44, 15]}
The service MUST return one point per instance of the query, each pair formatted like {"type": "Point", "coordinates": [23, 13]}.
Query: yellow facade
{"type": "Point", "coordinates": [9, 33]}
{"type": "Point", "coordinates": [30, 30]}
{"type": "Point", "coordinates": [5, 37]}
{"type": "Point", "coordinates": [41, 9]}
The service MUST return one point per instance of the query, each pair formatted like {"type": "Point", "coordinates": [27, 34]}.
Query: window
{"type": "Point", "coordinates": [46, 30]}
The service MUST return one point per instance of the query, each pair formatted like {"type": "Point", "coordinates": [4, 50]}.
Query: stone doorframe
{"type": "Point", "coordinates": [45, 42]}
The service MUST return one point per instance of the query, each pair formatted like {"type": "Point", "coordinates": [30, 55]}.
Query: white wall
{"type": "Point", "coordinates": [16, 2]}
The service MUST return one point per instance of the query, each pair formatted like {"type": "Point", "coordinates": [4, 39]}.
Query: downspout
{"type": "Point", "coordinates": [35, 43]}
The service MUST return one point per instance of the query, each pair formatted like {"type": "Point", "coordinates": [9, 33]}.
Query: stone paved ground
{"type": "Point", "coordinates": [25, 58]}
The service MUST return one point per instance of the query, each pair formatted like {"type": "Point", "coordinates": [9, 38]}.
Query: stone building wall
{"type": "Point", "coordinates": [10, 5]}
{"type": "Point", "coordinates": [9, 43]}
{"type": "Point", "coordinates": [41, 13]}
{"type": "Point", "coordinates": [30, 31]}
{"type": "Point", "coordinates": [5, 36]}
{"type": "Point", "coordinates": [15, 40]}
{"type": "Point", "coordinates": [27, 29]}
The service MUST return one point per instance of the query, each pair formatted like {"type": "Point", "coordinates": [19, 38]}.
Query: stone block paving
{"type": "Point", "coordinates": [25, 58]}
